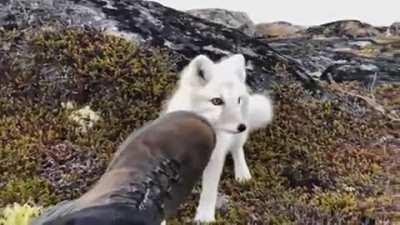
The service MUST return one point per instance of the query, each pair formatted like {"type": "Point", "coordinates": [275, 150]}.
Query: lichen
{"type": "Point", "coordinates": [84, 117]}
{"type": "Point", "coordinates": [18, 214]}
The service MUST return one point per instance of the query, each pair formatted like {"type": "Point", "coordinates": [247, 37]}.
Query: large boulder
{"type": "Point", "coordinates": [394, 29]}
{"type": "Point", "coordinates": [233, 19]}
{"type": "Point", "coordinates": [279, 29]}
{"type": "Point", "coordinates": [151, 23]}
{"type": "Point", "coordinates": [344, 28]}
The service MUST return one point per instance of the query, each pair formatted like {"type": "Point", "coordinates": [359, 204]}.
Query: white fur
{"type": "Point", "coordinates": [225, 80]}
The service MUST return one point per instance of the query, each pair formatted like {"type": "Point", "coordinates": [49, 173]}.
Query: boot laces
{"type": "Point", "coordinates": [152, 189]}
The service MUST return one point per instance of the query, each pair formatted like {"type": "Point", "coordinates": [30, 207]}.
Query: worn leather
{"type": "Point", "coordinates": [151, 173]}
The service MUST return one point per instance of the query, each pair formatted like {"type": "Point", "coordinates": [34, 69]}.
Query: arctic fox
{"type": "Point", "coordinates": [218, 92]}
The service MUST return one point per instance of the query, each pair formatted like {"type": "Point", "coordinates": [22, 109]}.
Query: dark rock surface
{"type": "Point", "coordinates": [232, 19]}
{"type": "Point", "coordinates": [308, 57]}
{"type": "Point", "coordinates": [344, 28]}
{"type": "Point", "coordinates": [151, 23]}
{"type": "Point", "coordinates": [366, 60]}
{"type": "Point", "coordinates": [394, 29]}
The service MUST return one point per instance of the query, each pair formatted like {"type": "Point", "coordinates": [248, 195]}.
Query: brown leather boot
{"type": "Point", "coordinates": [152, 172]}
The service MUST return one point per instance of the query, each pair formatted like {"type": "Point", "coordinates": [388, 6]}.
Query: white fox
{"type": "Point", "coordinates": [218, 92]}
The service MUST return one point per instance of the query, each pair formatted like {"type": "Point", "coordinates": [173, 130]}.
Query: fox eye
{"type": "Point", "coordinates": [217, 101]}
{"type": "Point", "coordinates": [239, 100]}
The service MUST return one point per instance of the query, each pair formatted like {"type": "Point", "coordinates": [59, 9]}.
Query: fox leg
{"type": "Point", "coordinates": [209, 193]}
{"type": "Point", "coordinates": [242, 172]}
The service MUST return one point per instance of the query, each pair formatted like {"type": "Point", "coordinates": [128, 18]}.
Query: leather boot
{"type": "Point", "coordinates": [152, 172]}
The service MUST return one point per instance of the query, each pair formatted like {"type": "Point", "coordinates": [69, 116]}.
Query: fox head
{"type": "Point", "coordinates": [218, 92]}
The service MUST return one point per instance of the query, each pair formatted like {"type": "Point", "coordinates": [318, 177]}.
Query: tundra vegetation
{"type": "Point", "coordinates": [329, 156]}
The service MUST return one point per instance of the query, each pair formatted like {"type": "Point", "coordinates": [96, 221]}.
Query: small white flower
{"type": "Point", "coordinates": [85, 117]}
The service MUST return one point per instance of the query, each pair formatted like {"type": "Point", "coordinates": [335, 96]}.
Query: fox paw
{"type": "Point", "coordinates": [243, 176]}
{"type": "Point", "coordinates": [204, 217]}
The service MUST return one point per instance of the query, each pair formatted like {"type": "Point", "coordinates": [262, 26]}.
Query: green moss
{"type": "Point", "coordinates": [39, 72]}
{"type": "Point", "coordinates": [23, 190]}
{"type": "Point", "coordinates": [316, 162]}
{"type": "Point", "coordinates": [389, 96]}
{"type": "Point", "coordinates": [331, 201]}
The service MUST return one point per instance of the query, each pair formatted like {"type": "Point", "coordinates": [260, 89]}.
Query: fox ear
{"type": "Point", "coordinates": [239, 63]}
{"type": "Point", "coordinates": [200, 70]}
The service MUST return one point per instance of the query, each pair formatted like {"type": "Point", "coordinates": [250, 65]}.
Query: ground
{"type": "Point", "coordinates": [328, 157]}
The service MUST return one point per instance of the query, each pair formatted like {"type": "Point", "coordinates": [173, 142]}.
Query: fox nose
{"type": "Point", "coordinates": [241, 127]}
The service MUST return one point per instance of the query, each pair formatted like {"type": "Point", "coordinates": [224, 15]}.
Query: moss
{"type": "Point", "coordinates": [316, 162]}
{"type": "Point", "coordinates": [331, 201]}
{"type": "Point", "coordinates": [39, 72]}
{"type": "Point", "coordinates": [324, 158]}
{"type": "Point", "coordinates": [389, 96]}
{"type": "Point", "coordinates": [33, 189]}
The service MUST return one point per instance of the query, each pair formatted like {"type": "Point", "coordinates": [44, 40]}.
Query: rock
{"type": "Point", "coordinates": [279, 30]}
{"type": "Point", "coordinates": [150, 23]}
{"type": "Point", "coordinates": [232, 19]}
{"type": "Point", "coordinates": [341, 59]}
{"type": "Point", "coordinates": [344, 28]}
{"type": "Point", "coordinates": [394, 29]}
{"type": "Point", "coordinates": [184, 36]}
{"type": "Point", "coordinates": [383, 29]}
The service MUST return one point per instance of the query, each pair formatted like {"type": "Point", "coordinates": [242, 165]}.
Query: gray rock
{"type": "Point", "coordinates": [340, 59]}
{"type": "Point", "coordinates": [344, 28]}
{"type": "Point", "coordinates": [394, 29]}
{"type": "Point", "coordinates": [279, 30]}
{"type": "Point", "coordinates": [232, 19]}
{"type": "Point", "coordinates": [185, 36]}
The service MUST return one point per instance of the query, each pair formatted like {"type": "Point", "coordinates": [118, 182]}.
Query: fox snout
{"type": "Point", "coordinates": [231, 121]}
{"type": "Point", "coordinates": [242, 127]}
{"type": "Point", "coordinates": [233, 129]}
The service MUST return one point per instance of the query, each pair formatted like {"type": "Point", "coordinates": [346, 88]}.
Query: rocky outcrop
{"type": "Point", "coordinates": [151, 23]}
{"type": "Point", "coordinates": [279, 30]}
{"type": "Point", "coordinates": [345, 29]}
{"type": "Point", "coordinates": [184, 36]}
{"type": "Point", "coordinates": [342, 50]}
{"type": "Point", "coordinates": [232, 19]}
{"type": "Point", "coordinates": [394, 29]}
{"type": "Point", "coordinates": [343, 60]}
